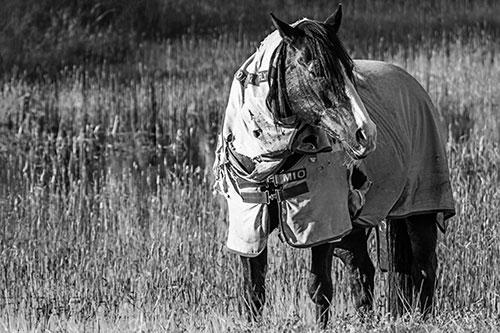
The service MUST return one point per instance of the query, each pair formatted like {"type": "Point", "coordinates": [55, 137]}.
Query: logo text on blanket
{"type": "Point", "coordinates": [287, 177]}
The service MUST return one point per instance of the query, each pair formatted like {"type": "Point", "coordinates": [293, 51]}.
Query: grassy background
{"type": "Point", "coordinates": [108, 112]}
{"type": "Point", "coordinates": [39, 37]}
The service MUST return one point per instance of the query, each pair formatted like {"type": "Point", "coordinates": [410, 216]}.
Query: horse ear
{"type": "Point", "coordinates": [335, 19]}
{"type": "Point", "coordinates": [287, 32]}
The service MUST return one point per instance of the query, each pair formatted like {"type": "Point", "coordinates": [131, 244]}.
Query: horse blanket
{"type": "Point", "coordinates": [253, 147]}
{"type": "Point", "coordinates": [408, 169]}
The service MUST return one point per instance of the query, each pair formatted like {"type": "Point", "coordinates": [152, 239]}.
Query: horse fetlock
{"type": "Point", "coordinates": [362, 294]}
{"type": "Point", "coordinates": [363, 300]}
{"type": "Point", "coordinates": [321, 292]}
{"type": "Point", "coordinates": [254, 302]}
{"type": "Point", "coordinates": [322, 315]}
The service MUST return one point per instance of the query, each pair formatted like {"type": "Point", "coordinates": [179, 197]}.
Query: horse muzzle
{"type": "Point", "coordinates": [365, 142]}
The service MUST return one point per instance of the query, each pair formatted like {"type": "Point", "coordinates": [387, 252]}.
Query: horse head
{"type": "Point", "coordinates": [319, 83]}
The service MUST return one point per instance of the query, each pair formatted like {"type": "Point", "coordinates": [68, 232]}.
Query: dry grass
{"type": "Point", "coordinates": [105, 226]}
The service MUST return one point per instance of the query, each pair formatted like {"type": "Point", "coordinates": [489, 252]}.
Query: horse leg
{"type": "Point", "coordinates": [320, 283]}
{"type": "Point", "coordinates": [353, 251]}
{"type": "Point", "coordinates": [254, 272]}
{"type": "Point", "coordinates": [254, 276]}
{"type": "Point", "coordinates": [399, 251]}
{"type": "Point", "coordinates": [422, 231]}
{"type": "Point", "coordinates": [412, 249]}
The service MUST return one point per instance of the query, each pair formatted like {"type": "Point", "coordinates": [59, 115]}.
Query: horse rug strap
{"type": "Point", "coordinates": [272, 189]}
{"type": "Point", "coordinates": [312, 203]}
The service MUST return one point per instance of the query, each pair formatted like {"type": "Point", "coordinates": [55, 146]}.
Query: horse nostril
{"type": "Point", "coordinates": [361, 136]}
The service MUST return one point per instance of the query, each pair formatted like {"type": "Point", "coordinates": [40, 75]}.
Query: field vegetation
{"type": "Point", "coordinates": [108, 116]}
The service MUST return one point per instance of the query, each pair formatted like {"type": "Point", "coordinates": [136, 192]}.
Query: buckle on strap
{"type": "Point", "coordinates": [280, 195]}
{"type": "Point", "coordinates": [245, 78]}
{"type": "Point", "coordinates": [263, 197]}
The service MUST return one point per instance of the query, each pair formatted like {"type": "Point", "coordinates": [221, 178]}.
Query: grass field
{"type": "Point", "coordinates": [108, 221]}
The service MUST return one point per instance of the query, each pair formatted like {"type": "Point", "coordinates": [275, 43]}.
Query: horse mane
{"type": "Point", "coordinates": [277, 98]}
{"type": "Point", "coordinates": [318, 38]}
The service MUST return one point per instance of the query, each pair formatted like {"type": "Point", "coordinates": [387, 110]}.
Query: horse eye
{"type": "Point", "coordinates": [314, 68]}
{"type": "Point", "coordinates": [301, 62]}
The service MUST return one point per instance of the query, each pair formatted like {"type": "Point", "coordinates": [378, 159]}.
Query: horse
{"type": "Point", "coordinates": [309, 134]}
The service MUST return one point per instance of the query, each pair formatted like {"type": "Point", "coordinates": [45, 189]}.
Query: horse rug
{"type": "Point", "coordinates": [408, 169]}
{"type": "Point", "coordinates": [312, 193]}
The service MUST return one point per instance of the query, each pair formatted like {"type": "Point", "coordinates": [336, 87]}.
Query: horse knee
{"type": "Point", "coordinates": [424, 267]}
{"type": "Point", "coordinates": [424, 286]}
{"type": "Point", "coordinates": [422, 232]}
{"type": "Point", "coordinates": [424, 276]}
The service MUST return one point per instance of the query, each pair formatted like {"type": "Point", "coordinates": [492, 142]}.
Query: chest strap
{"type": "Point", "coordinates": [272, 188]}
{"type": "Point", "coordinates": [280, 194]}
